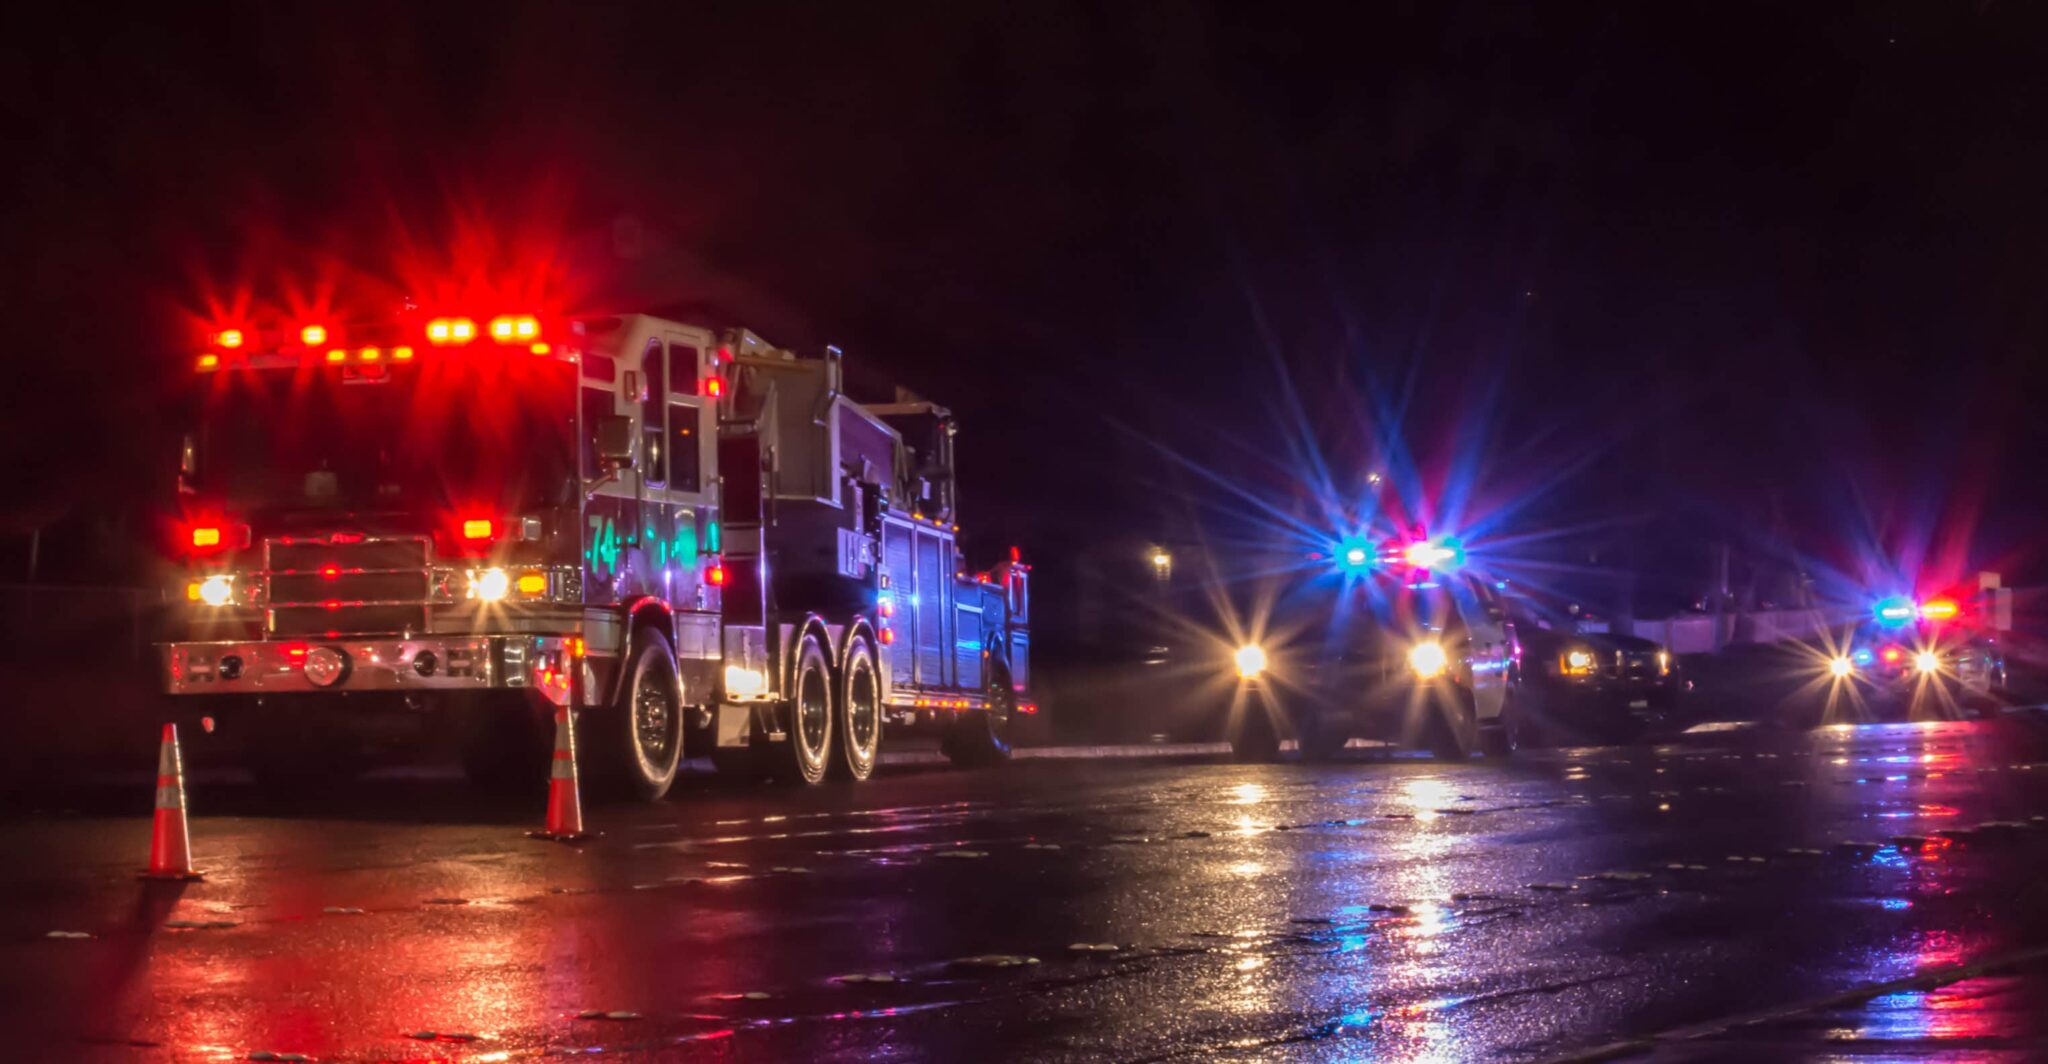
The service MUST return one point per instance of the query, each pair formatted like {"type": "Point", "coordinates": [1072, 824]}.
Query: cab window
{"type": "Point", "coordinates": [682, 360]}
{"type": "Point", "coordinates": [597, 405]}
{"type": "Point", "coordinates": [685, 451]}
{"type": "Point", "coordinates": [654, 449]}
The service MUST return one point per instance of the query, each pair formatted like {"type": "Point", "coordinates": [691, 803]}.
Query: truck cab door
{"type": "Point", "coordinates": [1491, 655]}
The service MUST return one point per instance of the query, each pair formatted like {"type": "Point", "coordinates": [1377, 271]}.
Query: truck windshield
{"type": "Point", "coordinates": [280, 441]}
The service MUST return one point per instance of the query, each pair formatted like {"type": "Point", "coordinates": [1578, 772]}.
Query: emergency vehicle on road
{"type": "Point", "coordinates": [695, 538]}
{"type": "Point", "coordinates": [1433, 665]}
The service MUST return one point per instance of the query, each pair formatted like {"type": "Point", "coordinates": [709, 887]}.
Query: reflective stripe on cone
{"type": "Point", "coordinates": [170, 842]}
{"type": "Point", "coordinates": [565, 802]}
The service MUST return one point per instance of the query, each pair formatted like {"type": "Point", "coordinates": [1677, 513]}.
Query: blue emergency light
{"type": "Point", "coordinates": [1896, 611]}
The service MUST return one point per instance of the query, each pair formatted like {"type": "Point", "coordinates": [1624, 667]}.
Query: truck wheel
{"type": "Point", "coordinates": [808, 750]}
{"type": "Point", "coordinates": [1451, 732]}
{"type": "Point", "coordinates": [640, 740]}
{"type": "Point", "coordinates": [1253, 738]}
{"type": "Point", "coordinates": [982, 736]}
{"type": "Point", "coordinates": [1504, 736]}
{"type": "Point", "coordinates": [860, 713]}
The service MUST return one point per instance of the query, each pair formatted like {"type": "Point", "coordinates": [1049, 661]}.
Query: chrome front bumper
{"type": "Point", "coordinates": [373, 663]}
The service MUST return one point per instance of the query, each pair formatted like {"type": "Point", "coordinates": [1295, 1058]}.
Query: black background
{"type": "Point", "coordinates": [1691, 271]}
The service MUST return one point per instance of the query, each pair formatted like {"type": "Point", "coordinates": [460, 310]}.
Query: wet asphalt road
{"type": "Point", "coordinates": [1854, 893]}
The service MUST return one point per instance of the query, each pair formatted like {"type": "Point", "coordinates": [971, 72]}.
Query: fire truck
{"type": "Point", "coordinates": [696, 539]}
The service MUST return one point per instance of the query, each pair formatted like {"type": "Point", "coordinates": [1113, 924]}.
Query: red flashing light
{"type": "Point", "coordinates": [401, 354]}
{"type": "Point", "coordinates": [295, 653]}
{"type": "Point", "coordinates": [206, 537]}
{"type": "Point", "coordinates": [888, 607]}
{"type": "Point", "coordinates": [888, 636]}
{"type": "Point", "coordinates": [715, 575]}
{"type": "Point", "coordinates": [443, 332]}
{"type": "Point", "coordinates": [331, 571]}
{"type": "Point", "coordinates": [1016, 555]}
{"type": "Point", "coordinates": [575, 646]}
{"type": "Point", "coordinates": [337, 355]}
{"type": "Point", "coordinates": [714, 386]}
{"type": "Point", "coordinates": [514, 327]}
{"type": "Point", "coordinates": [228, 338]}
{"type": "Point", "coordinates": [478, 528]}
{"type": "Point", "coordinates": [208, 362]}
{"type": "Point", "coordinates": [1893, 653]}
{"type": "Point", "coordinates": [313, 335]}
{"type": "Point", "coordinates": [1938, 609]}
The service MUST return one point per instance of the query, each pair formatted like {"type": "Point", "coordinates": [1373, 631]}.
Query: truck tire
{"type": "Point", "coordinates": [640, 740]}
{"type": "Point", "coordinates": [806, 754]}
{"type": "Point", "coordinates": [982, 736]}
{"type": "Point", "coordinates": [1452, 731]}
{"type": "Point", "coordinates": [1504, 736]}
{"type": "Point", "coordinates": [860, 712]}
{"type": "Point", "coordinates": [1252, 736]}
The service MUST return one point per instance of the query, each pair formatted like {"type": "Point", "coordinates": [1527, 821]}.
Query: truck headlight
{"type": "Point", "coordinates": [216, 590]}
{"type": "Point", "coordinates": [489, 585]}
{"type": "Point", "coordinates": [1841, 668]}
{"type": "Point", "coordinates": [1577, 661]}
{"type": "Point", "coordinates": [1251, 661]}
{"type": "Point", "coordinates": [1928, 662]}
{"type": "Point", "coordinates": [1428, 660]}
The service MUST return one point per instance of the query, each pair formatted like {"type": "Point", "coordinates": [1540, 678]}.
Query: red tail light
{"type": "Point", "coordinates": [715, 575]}
{"type": "Point", "coordinates": [714, 387]}
{"type": "Point", "coordinates": [888, 636]}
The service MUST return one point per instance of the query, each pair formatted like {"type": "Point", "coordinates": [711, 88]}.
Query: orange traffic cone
{"type": "Point", "coordinates": [565, 802]}
{"type": "Point", "coordinates": [170, 843]}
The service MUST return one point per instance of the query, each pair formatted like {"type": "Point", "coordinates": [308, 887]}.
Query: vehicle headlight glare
{"type": "Point", "coordinates": [489, 585]}
{"type": "Point", "coordinates": [1428, 660]}
{"type": "Point", "coordinates": [217, 590]}
{"type": "Point", "coordinates": [1251, 660]}
{"type": "Point", "coordinates": [1841, 667]}
{"type": "Point", "coordinates": [1927, 661]}
{"type": "Point", "coordinates": [1579, 659]}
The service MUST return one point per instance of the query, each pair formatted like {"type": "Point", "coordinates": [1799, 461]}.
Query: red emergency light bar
{"type": "Point", "coordinates": [1938, 610]}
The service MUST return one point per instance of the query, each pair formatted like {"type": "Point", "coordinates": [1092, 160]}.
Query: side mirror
{"type": "Point", "coordinates": [615, 443]}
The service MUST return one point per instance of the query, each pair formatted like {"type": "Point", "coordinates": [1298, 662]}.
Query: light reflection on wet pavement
{"type": "Point", "coordinates": [1845, 893]}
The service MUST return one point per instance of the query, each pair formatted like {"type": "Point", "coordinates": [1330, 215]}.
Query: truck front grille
{"type": "Point", "coordinates": [347, 586]}
{"type": "Point", "coordinates": [347, 620]}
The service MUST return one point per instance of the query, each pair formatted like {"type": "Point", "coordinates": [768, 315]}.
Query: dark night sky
{"type": "Point", "coordinates": [1771, 265]}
